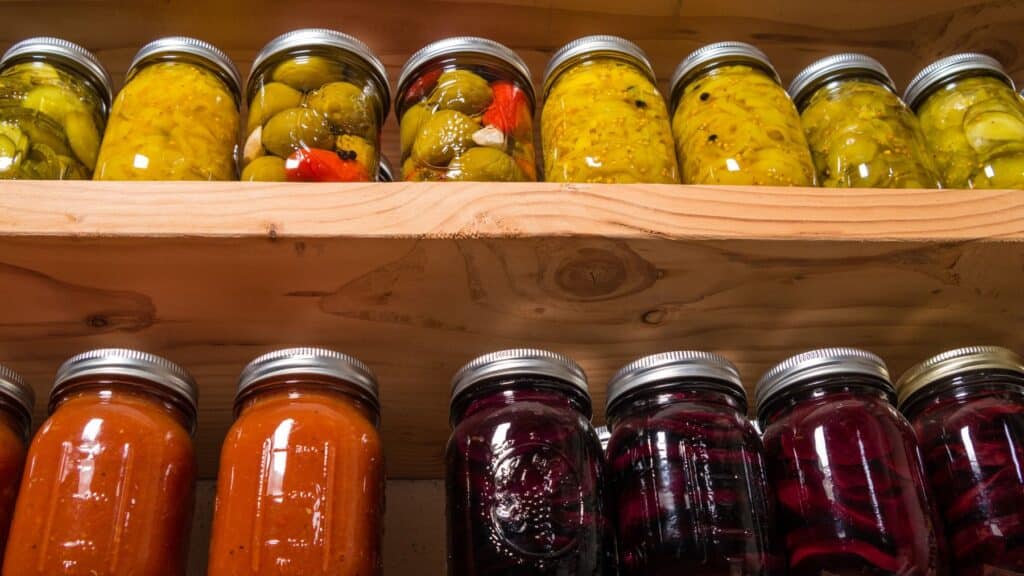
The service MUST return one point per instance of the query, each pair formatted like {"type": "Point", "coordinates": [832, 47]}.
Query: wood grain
{"type": "Point", "coordinates": [418, 279]}
{"type": "Point", "coordinates": [903, 35]}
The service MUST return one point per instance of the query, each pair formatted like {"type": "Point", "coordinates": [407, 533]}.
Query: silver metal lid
{"type": "Point", "coordinates": [955, 363]}
{"type": "Point", "coordinates": [715, 54]}
{"type": "Point", "coordinates": [519, 362]}
{"type": "Point", "coordinates": [465, 45]}
{"type": "Point", "coordinates": [673, 367]}
{"type": "Point", "coordinates": [385, 171]}
{"type": "Point", "coordinates": [818, 364]}
{"type": "Point", "coordinates": [15, 387]}
{"type": "Point", "coordinates": [191, 46]}
{"type": "Point", "coordinates": [942, 71]}
{"type": "Point", "coordinates": [312, 38]}
{"type": "Point", "coordinates": [308, 362]}
{"type": "Point", "coordinates": [129, 363]}
{"type": "Point", "coordinates": [595, 45]}
{"type": "Point", "coordinates": [67, 52]}
{"type": "Point", "coordinates": [837, 66]}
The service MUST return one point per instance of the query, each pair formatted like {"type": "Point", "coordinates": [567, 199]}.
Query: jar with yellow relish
{"type": "Point", "coordinates": [176, 117]}
{"type": "Point", "coordinates": [603, 118]}
{"type": "Point", "coordinates": [861, 133]}
{"type": "Point", "coordinates": [734, 123]}
{"type": "Point", "coordinates": [972, 120]}
{"type": "Point", "coordinates": [54, 98]}
{"type": "Point", "coordinates": [317, 100]}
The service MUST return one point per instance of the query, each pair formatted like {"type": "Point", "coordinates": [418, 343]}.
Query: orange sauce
{"type": "Point", "coordinates": [12, 460]}
{"type": "Point", "coordinates": [300, 489]}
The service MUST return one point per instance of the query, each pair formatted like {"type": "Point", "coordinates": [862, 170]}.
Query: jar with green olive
{"type": "Point", "coordinates": [861, 133]}
{"type": "Point", "coordinates": [972, 120]}
{"type": "Point", "coordinates": [465, 106]}
{"type": "Point", "coordinates": [54, 98]}
{"type": "Point", "coordinates": [176, 117]}
{"type": "Point", "coordinates": [734, 123]}
{"type": "Point", "coordinates": [603, 118]}
{"type": "Point", "coordinates": [317, 101]}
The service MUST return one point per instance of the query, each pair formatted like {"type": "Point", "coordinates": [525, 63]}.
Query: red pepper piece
{"type": "Point", "coordinates": [422, 86]}
{"type": "Point", "coordinates": [507, 108]}
{"type": "Point", "coordinates": [316, 165]}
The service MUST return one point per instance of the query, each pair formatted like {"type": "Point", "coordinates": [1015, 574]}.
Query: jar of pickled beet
{"type": "Point", "coordinates": [686, 470]}
{"type": "Point", "coordinates": [967, 407]}
{"type": "Point", "coordinates": [54, 98]}
{"type": "Point", "coordinates": [525, 478]}
{"type": "Point", "coordinates": [846, 470]}
{"type": "Point", "coordinates": [465, 108]}
{"type": "Point", "coordinates": [972, 121]}
{"type": "Point", "coordinates": [734, 123]}
{"type": "Point", "coordinates": [317, 101]}
{"type": "Point", "coordinates": [109, 480]}
{"type": "Point", "coordinates": [603, 118]}
{"type": "Point", "coordinates": [301, 484]}
{"type": "Point", "coordinates": [861, 133]}
{"type": "Point", "coordinates": [16, 402]}
{"type": "Point", "coordinates": [176, 117]}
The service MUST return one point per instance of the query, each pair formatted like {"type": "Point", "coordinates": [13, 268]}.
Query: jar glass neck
{"type": "Point", "coordinates": [865, 387]}
{"type": "Point", "coordinates": [496, 394]}
{"type": "Point", "coordinates": [832, 81]}
{"type": "Point", "coordinates": [656, 397]}
{"type": "Point", "coordinates": [962, 386]}
{"type": "Point", "coordinates": [292, 389]}
{"type": "Point", "coordinates": [110, 390]}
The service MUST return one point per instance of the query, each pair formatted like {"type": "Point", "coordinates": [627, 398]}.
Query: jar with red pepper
{"type": "Point", "coordinates": [465, 106]}
{"type": "Point", "coordinates": [317, 100]}
{"type": "Point", "coordinates": [967, 407]}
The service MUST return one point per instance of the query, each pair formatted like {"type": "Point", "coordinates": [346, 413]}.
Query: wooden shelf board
{"type": "Point", "coordinates": [416, 279]}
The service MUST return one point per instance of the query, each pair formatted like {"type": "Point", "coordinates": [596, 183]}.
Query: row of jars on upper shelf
{"type": "Point", "coordinates": [852, 475]}
{"type": "Point", "coordinates": [316, 100]}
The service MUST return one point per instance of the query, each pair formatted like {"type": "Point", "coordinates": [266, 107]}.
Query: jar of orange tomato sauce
{"type": "Point", "coordinates": [108, 485]}
{"type": "Point", "coordinates": [301, 484]}
{"type": "Point", "coordinates": [16, 401]}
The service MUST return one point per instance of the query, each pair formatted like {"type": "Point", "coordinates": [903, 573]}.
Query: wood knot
{"type": "Point", "coordinates": [600, 272]}
{"type": "Point", "coordinates": [654, 317]}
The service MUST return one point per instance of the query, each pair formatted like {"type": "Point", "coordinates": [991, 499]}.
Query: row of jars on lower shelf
{"type": "Point", "coordinates": [841, 482]}
{"type": "Point", "coordinates": [317, 100]}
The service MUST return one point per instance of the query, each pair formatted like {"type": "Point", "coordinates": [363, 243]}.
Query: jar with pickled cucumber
{"type": "Point", "coordinates": [54, 98]}
{"type": "Point", "coordinates": [177, 116]}
{"type": "Point", "coordinates": [734, 123]}
{"type": "Point", "coordinates": [465, 108]}
{"type": "Point", "coordinates": [861, 133]}
{"type": "Point", "coordinates": [972, 120]}
{"type": "Point", "coordinates": [604, 120]}
{"type": "Point", "coordinates": [317, 101]}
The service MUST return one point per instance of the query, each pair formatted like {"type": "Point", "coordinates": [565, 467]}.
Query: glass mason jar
{"type": "Point", "coordinates": [847, 473]}
{"type": "Point", "coordinates": [317, 101]}
{"type": "Point", "coordinates": [108, 485]}
{"type": "Point", "coordinates": [301, 483]}
{"type": "Point", "coordinates": [972, 121]}
{"type": "Point", "coordinates": [54, 98]}
{"type": "Point", "coordinates": [967, 407]}
{"type": "Point", "coordinates": [861, 133]}
{"type": "Point", "coordinates": [16, 402]}
{"type": "Point", "coordinates": [385, 172]}
{"type": "Point", "coordinates": [603, 118]}
{"type": "Point", "coordinates": [176, 117]}
{"type": "Point", "coordinates": [686, 470]}
{"type": "Point", "coordinates": [525, 476]}
{"type": "Point", "coordinates": [465, 108]}
{"type": "Point", "coordinates": [734, 123]}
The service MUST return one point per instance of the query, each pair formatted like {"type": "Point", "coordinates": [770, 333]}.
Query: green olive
{"type": "Point", "coordinates": [359, 149]}
{"type": "Point", "coordinates": [295, 128]}
{"type": "Point", "coordinates": [83, 137]}
{"type": "Point", "coordinates": [410, 125]}
{"type": "Point", "coordinates": [344, 105]}
{"type": "Point", "coordinates": [270, 99]}
{"type": "Point", "coordinates": [443, 136]}
{"type": "Point", "coordinates": [304, 73]}
{"type": "Point", "coordinates": [54, 101]}
{"type": "Point", "coordinates": [485, 165]}
{"type": "Point", "coordinates": [265, 169]}
{"type": "Point", "coordinates": [463, 91]}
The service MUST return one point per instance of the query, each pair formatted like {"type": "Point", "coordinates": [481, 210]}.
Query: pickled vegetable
{"type": "Point", "coordinates": [975, 131]}
{"type": "Point", "coordinates": [174, 120]}
{"type": "Point", "coordinates": [51, 122]}
{"type": "Point", "coordinates": [605, 121]}
{"type": "Point", "coordinates": [736, 125]}
{"type": "Point", "coordinates": [467, 124]}
{"type": "Point", "coordinates": [863, 136]}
